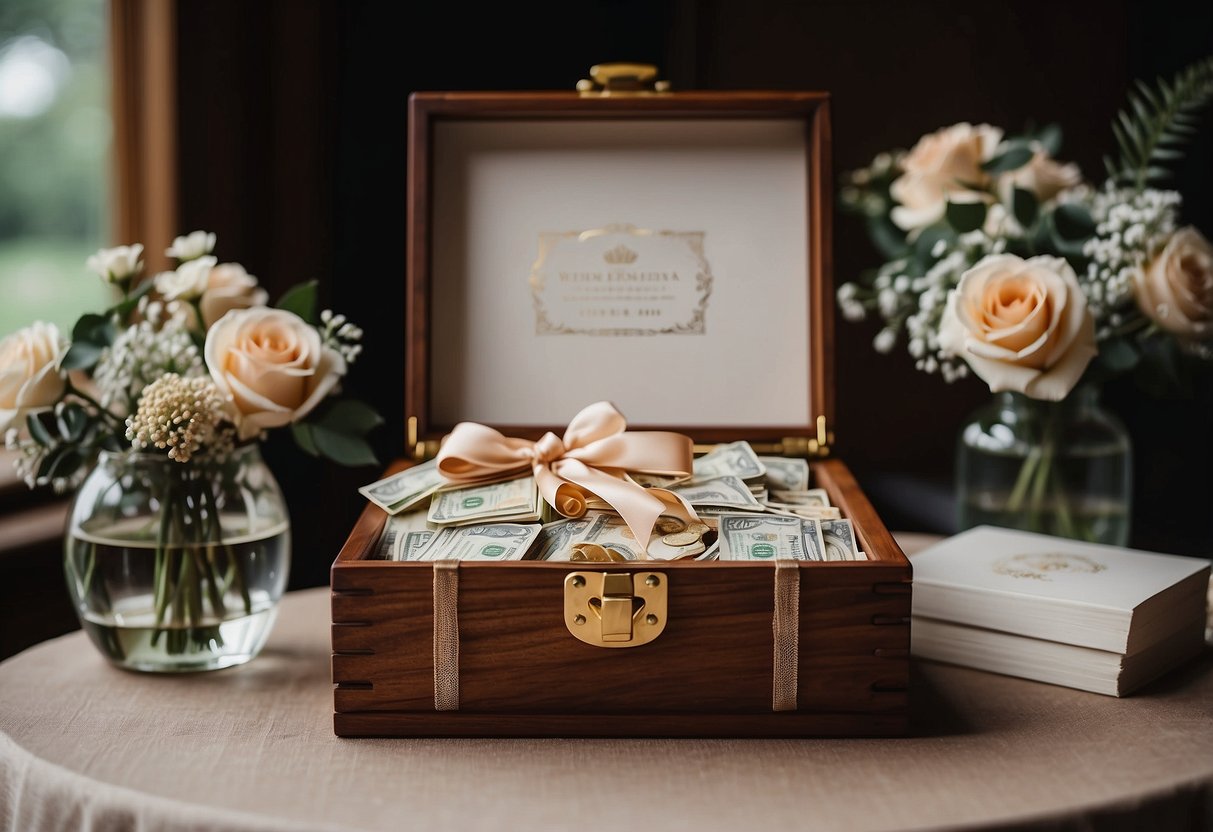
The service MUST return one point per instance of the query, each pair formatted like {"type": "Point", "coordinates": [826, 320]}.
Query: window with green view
{"type": "Point", "coordinates": [55, 136]}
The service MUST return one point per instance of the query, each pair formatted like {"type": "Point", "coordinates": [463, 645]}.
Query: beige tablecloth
{"type": "Point", "coordinates": [87, 746]}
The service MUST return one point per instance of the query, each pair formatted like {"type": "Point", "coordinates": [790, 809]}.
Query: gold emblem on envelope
{"type": "Point", "coordinates": [620, 280]}
{"type": "Point", "coordinates": [1039, 565]}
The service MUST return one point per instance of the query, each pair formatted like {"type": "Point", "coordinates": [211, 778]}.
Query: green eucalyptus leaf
{"type": "Point", "coordinates": [350, 416]}
{"type": "Point", "coordinates": [342, 448]}
{"type": "Point", "coordinates": [72, 419]}
{"type": "Point", "coordinates": [301, 299]}
{"type": "Point", "coordinates": [889, 240]}
{"type": "Point", "coordinates": [966, 216]}
{"type": "Point", "coordinates": [1025, 207]}
{"type": "Point", "coordinates": [127, 305]}
{"type": "Point", "coordinates": [302, 432]}
{"type": "Point", "coordinates": [1050, 138]}
{"type": "Point", "coordinates": [1073, 222]}
{"type": "Point", "coordinates": [1119, 355]}
{"type": "Point", "coordinates": [66, 463]}
{"type": "Point", "coordinates": [81, 355]}
{"type": "Point", "coordinates": [1013, 158]}
{"type": "Point", "coordinates": [38, 431]}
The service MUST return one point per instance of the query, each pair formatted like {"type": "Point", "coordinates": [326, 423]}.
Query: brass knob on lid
{"type": "Point", "coordinates": [622, 78]}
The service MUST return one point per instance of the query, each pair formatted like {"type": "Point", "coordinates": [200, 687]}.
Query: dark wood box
{"type": "Point", "coordinates": [711, 671]}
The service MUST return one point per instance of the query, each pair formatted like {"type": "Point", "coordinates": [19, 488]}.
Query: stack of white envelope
{"type": "Point", "coordinates": [1097, 618]}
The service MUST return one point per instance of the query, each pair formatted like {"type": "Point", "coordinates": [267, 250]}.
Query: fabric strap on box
{"type": "Point", "coordinates": [446, 635]}
{"type": "Point", "coordinates": [786, 627]}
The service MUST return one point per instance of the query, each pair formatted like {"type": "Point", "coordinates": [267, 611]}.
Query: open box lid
{"type": "Point", "coordinates": [667, 252]}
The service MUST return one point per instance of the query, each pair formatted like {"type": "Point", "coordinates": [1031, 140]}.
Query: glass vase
{"type": "Point", "coordinates": [174, 566]}
{"type": "Point", "coordinates": [1059, 468]}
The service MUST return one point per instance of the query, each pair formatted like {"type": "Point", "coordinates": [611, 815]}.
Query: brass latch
{"type": "Point", "coordinates": [622, 79]}
{"type": "Point", "coordinates": [615, 609]}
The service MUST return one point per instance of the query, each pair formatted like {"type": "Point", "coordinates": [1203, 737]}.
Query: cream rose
{"type": "Point", "coordinates": [943, 163]}
{"type": "Point", "coordinates": [116, 264]}
{"type": "Point", "coordinates": [1175, 289]}
{"type": "Point", "coordinates": [188, 281]}
{"type": "Point", "coordinates": [271, 365]}
{"type": "Point", "coordinates": [1043, 175]}
{"type": "Point", "coordinates": [228, 287]}
{"type": "Point", "coordinates": [1021, 325]}
{"type": "Point", "coordinates": [29, 372]}
{"type": "Point", "coordinates": [192, 246]}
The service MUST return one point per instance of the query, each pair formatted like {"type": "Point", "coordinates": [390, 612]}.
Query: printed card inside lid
{"type": "Point", "coordinates": [660, 263]}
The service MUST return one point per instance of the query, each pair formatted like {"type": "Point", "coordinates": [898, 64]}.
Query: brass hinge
{"type": "Point", "coordinates": [419, 450]}
{"type": "Point", "coordinates": [803, 447]}
{"type": "Point", "coordinates": [622, 79]}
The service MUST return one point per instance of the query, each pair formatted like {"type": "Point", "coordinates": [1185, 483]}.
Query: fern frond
{"type": "Point", "coordinates": [1157, 122]}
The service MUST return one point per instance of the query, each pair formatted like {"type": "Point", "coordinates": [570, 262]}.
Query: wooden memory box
{"type": "Point", "coordinates": [669, 252]}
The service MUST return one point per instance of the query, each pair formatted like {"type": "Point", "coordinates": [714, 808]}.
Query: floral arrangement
{"type": "Point", "coordinates": [1002, 261]}
{"type": "Point", "coordinates": [178, 541]}
{"type": "Point", "coordinates": [190, 364]}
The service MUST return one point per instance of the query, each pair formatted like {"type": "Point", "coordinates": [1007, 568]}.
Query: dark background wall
{"type": "Point", "coordinates": [292, 132]}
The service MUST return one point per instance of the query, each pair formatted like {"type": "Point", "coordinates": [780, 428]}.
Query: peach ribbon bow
{"type": "Point", "coordinates": [591, 460]}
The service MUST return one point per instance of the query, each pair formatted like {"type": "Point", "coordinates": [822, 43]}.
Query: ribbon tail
{"type": "Point", "coordinates": [638, 506]}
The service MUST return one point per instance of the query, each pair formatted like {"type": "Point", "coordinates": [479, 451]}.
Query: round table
{"type": "Point", "coordinates": [253, 748]}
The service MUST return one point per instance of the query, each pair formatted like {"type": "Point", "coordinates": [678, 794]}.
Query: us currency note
{"type": "Point", "coordinates": [485, 542]}
{"type": "Point", "coordinates": [735, 459]}
{"type": "Point", "coordinates": [396, 534]}
{"type": "Point", "coordinates": [786, 474]}
{"type": "Point", "coordinates": [809, 497]}
{"type": "Point", "coordinates": [556, 537]}
{"type": "Point", "coordinates": [765, 537]}
{"type": "Point", "coordinates": [724, 491]}
{"type": "Point", "coordinates": [516, 499]}
{"type": "Point", "coordinates": [610, 532]}
{"type": "Point", "coordinates": [839, 540]}
{"type": "Point", "coordinates": [403, 490]}
{"type": "Point", "coordinates": [814, 541]}
{"type": "Point", "coordinates": [811, 512]}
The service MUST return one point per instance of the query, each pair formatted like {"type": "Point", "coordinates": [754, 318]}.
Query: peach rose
{"type": "Point", "coordinates": [228, 287]}
{"type": "Point", "coordinates": [271, 365]}
{"type": "Point", "coordinates": [29, 372]}
{"type": "Point", "coordinates": [1021, 325]}
{"type": "Point", "coordinates": [1175, 289]}
{"type": "Point", "coordinates": [1042, 175]}
{"type": "Point", "coordinates": [943, 163]}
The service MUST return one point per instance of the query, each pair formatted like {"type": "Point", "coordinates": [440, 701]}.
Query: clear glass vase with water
{"type": "Point", "coordinates": [178, 566]}
{"type": "Point", "coordinates": [1059, 468]}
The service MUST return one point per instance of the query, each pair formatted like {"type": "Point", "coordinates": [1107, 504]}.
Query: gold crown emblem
{"type": "Point", "coordinates": [620, 254]}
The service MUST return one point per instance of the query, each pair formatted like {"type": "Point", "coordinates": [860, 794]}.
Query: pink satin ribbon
{"type": "Point", "coordinates": [592, 460]}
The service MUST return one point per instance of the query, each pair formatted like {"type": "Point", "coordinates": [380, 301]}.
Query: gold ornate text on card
{"type": "Point", "coordinates": [620, 280]}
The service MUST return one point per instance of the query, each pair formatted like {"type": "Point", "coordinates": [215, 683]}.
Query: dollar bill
{"type": "Point", "coordinates": [786, 474]}
{"type": "Point", "coordinates": [720, 492]}
{"type": "Point", "coordinates": [513, 500]}
{"type": "Point", "coordinates": [610, 532]}
{"type": "Point", "coordinates": [809, 497]}
{"type": "Point", "coordinates": [761, 538]}
{"type": "Point", "coordinates": [403, 490]}
{"type": "Point", "coordinates": [839, 540]}
{"type": "Point", "coordinates": [736, 459]}
{"type": "Point", "coordinates": [769, 538]}
{"type": "Point", "coordinates": [811, 512]}
{"type": "Point", "coordinates": [482, 542]}
{"type": "Point", "coordinates": [814, 540]}
{"type": "Point", "coordinates": [556, 537]}
{"type": "Point", "coordinates": [396, 533]}
{"type": "Point", "coordinates": [412, 544]}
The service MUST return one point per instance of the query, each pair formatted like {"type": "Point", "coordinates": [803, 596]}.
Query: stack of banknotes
{"type": "Point", "coordinates": [751, 508]}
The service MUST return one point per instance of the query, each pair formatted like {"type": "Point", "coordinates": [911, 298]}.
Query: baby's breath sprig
{"type": "Point", "coordinates": [340, 334]}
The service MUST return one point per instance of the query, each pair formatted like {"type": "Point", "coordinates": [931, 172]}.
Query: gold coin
{"type": "Point", "coordinates": [681, 539]}
{"type": "Point", "coordinates": [668, 525]}
{"type": "Point", "coordinates": [699, 528]}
